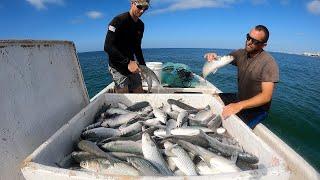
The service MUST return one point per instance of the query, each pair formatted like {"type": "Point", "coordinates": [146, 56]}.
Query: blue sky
{"type": "Point", "coordinates": [294, 24]}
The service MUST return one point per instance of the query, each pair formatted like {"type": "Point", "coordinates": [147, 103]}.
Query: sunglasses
{"type": "Point", "coordinates": [254, 41]}
{"type": "Point", "coordinates": [142, 7]}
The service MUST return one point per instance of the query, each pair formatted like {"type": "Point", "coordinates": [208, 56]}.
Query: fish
{"type": "Point", "coordinates": [248, 158]}
{"type": "Point", "coordinates": [105, 166]}
{"type": "Point", "coordinates": [92, 148]}
{"type": "Point", "coordinates": [215, 122]}
{"type": "Point", "coordinates": [213, 66]}
{"type": "Point", "coordinates": [153, 154]}
{"type": "Point", "coordinates": [119, 120]}
{"type": "Point", "coordinates": [79, 156]}
{"type": "Point", "coordinates": [100, 133]}
{"type": "Point", "coordinates": [143, 165]}
{"type": "Point", "coordinates": [202, 118]}
{"type": "Point", "coordinates": [181, 158]}
{"type": "Point", "coordinates": [220, 163]}
{"type": "Point", "coordinates": [182, 105]}
{"type": "Point", "coordinates": [149, 75]}
{"type": "Point", "coordinates": [124, 141]}
{"type": "Point", "coordinates": [119, 111]}
{"type": "Point", "coordinates": [152, 122]}
{"type": "Point", "coordinates": [162, 116]}
{"type": "Point", "coordinates": [92, 126]}
{"type": "Point", "coordinates": [135, 137]}
{"type": "Point", "coordinates": [196, 139]}
{"type": "Point", "coordinates": [161, 133]}
{"type": "Point", "coordinates": [225, 149]}
{"type": "Point", "coordinates": [123, 146]}
{"type": "Point", "coordinates": [131, 129]}
{"type": "Point", "coordinates": [189, 130]}
{"type": "Point", "coordinates": [123, 156]}
{"type": "Point", "coordinates": [138, 106]}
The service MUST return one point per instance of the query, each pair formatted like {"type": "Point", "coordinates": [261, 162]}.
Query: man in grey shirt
{"type": "Point", "coordinates": [257, 74]}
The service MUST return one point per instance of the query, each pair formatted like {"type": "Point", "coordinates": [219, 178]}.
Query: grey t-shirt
{"type": "Point", "coordinates": [253, 71]}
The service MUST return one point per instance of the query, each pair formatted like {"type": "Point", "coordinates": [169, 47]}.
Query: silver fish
{"type": "Point", "coordinates": [181, 159]}
{"type": "Point", "coordinates": [215, 122]}
{"type": "Point", "coordinates": [92, 126]}
{"type": "Point", "coordinates": [152, 153]}
{"type": "Point", "coordinates": [100, 133]}
{"type": "Point", "coordinates": [123, 146]}
{"type": "Point", "coordinates": [123, 156]}
{"type": "Point", "coordinates": [92, 148]}
{"type": "Point", "coordinates": [131, 129]}
{"type": "Point", "coordinates": [202, 117]}
{"type": "Point", "coordinates": [105, 166]}
{"type": "Point", "coordinates": [213, 66]}
{"type": "Point", "coordinates": [196, 139]}
{"type": "Point", "coordinates": [220, 163]}
{"type": "Point", "coordinates": [190, 130]}
{"type": "Point", "coordinates": [161, 133]}
{"type": "Point", "coordinates": [143, 165]}
{"type": "Point", "coordinates": [112, 111]}
{"type": "Point", "coordinates": [225, 149]}
{"type": "Point", "coordinates": [160, 115]}
{"type": "Point", "coordinates": [119, 120]}
{"type": "Point", "coordinates": [152, 122]}
{"type": "Point", "coordinates": [79, 156]}
{"type": "Point", "coordinates": [149, 75]}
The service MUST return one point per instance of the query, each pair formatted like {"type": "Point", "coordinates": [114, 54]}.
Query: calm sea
{"type": "Point", "coordinates": [295, 110]}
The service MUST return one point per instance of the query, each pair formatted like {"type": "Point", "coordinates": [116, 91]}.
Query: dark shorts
{"type": "Point", "coordinates": [251, 117]}
{"type": "Point", "coordinates": [132, 81]}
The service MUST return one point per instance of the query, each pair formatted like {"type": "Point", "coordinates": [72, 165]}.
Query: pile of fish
{"type": "Point", "coordinates": [173, 140]}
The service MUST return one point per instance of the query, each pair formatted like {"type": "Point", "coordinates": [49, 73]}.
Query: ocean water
{"type": "Point", "coordinates": [295, 109]}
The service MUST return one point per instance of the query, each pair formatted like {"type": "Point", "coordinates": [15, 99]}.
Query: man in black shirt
{"type": "Point", "coordinates": [123, 42]}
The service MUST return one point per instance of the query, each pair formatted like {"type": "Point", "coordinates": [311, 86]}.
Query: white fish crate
{"type": "Point", "coordinates": [41, 164]}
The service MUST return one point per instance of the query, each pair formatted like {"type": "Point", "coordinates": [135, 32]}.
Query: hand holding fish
{"type": "Point", "coordinates": [211, 56]}
{"type": "Point", "coordinates": [231, 109]}
{"type": "Point", "coordinates": [133, 67]}
{"type": "Point", "coordinates": [214, 62]}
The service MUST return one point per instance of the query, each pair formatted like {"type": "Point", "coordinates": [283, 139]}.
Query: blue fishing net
{"type": "Point", "coordinates": [178, 75]}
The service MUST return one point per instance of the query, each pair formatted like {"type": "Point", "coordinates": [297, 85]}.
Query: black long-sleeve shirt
{"type": "Point", "coordinates": [123, 42]}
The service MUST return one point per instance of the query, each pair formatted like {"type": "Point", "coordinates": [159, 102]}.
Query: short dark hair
{"type": "Point", "coordinates": [265, 30]}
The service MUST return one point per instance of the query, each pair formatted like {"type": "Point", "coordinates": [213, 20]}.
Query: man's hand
{"type": "Point", "coordinates": [231, 109]}
{"type": "Point", "coordinates": [210, 56]}
{"type": "Point", "coordinates": [133, 67]}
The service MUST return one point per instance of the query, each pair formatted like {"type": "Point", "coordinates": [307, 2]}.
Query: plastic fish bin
{"type": "Point", "coordinates": [41, 164]}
